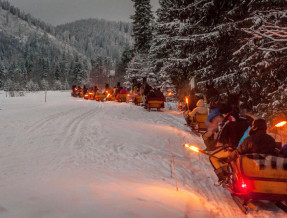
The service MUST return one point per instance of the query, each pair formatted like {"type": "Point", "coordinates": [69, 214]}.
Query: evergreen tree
{"type": "Point", "coordinates": [142, 33]}
{"type": "Point", "coordinates": [142, 25]}
{"type": "Point", "coordinates": [122, 64]}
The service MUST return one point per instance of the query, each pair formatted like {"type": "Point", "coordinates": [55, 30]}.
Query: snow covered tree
{"type": "Point", "coordinates": [142, 25]}
{"type": "Point", "coordinates": [229, 42]}
{"type": "Point", "coordinates": [142, 33]}
{"type": "Point", "coordinates": [45, 85]}
{"type": "Point", "coordinates": [32, 86]}
{"type": "Point", "coordinates": [122, 64]}
{"type": "Point", "coordinates": [161, 46]}
{"type": "Point", "coordinates": [58, 85]}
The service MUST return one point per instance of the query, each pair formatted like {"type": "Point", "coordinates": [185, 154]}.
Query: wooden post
{"type": "Point", "coordinates": [171, 151]}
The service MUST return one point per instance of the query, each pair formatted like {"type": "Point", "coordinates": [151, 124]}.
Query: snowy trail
{"type": "Point", "coordinates": [76, 158]}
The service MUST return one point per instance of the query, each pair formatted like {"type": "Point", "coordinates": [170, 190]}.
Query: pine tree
{"type": "Point", "coordinates": [160, 45]}
{"type": "Point", "coordinates": [142, 25]}
{"type": "Point", "coordinates": [142, 33]}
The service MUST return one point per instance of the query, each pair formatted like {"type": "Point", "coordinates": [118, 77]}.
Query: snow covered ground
{"type": "Point", "coordinates": [72, 158]}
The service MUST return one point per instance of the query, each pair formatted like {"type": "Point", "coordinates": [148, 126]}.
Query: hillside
{"type": "Point", "coordinates": [96, 37]}
{"type": "Point", "coordinates": [33, 58]}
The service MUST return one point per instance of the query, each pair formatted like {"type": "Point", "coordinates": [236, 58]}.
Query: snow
{"type": "Point", "coordinates": [75, 158]}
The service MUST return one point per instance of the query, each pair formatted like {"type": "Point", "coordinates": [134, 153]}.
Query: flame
{"type": "Point", "coordinates": [128, 95]}
{"type": "Point", "coordinates": [186, 100]}
{"type": "Point", "coordinates": [192, 148]}
{"type": "Point", "coordinates": [169, 94]}
{"type": "Point", "coordinates": [108, 95]}
{"type": "Point", "coordinates": [86, 95]}
{"type": "Point", "coordinates": [91, 93]}
{"type": "Point", "coordinates": [281, 124]}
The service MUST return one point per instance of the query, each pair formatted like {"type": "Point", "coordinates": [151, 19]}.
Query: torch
{"type": "Point", "coordinates": [197, 150]}
{"type": "Point", "coordinates": [281, 124]}
{"type": "Point", "coordinates": [277, 126]}
{"type": "Point", "coordinates": [187, 102]}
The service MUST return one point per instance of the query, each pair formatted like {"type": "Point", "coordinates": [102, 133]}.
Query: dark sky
{"type": "Point", "coordinates": [62, 11]}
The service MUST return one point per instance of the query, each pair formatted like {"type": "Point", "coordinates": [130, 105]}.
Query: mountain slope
{"type": "Point", "coordinates": [96, 37]}
{"type": "Point", "coordinates": [28, 53]}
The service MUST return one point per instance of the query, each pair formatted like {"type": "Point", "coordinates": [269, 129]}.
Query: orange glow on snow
{"type": "Point", "coordinates": [281, 124]}
{"type": "Point", "coordinates": [192, 148]}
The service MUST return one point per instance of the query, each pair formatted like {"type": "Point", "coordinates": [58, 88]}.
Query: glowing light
{"type": "Point", "coordinates": [91, 93]}
{"type": "Point", "coordinates": [108, 95]}
{"type": "Point", "coordinates": [192, 148]}
{"type": "Point", "coordinates": [281, 124]}
{"type": "Point", "coordinates": [242, 184]}
{"type": "Point", "coordinates": [186, 100]}
{"type": "Point", "coordinates": [169, 94]}
{"type": "Point", "coordinates": [128, 95]}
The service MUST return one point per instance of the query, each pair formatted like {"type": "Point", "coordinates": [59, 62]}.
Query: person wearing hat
{"type": "Point", "coordinates": [232, 127]}
{"type": "Point", "coordinates": [258, 141]}
{"type": "Point", "coordinates": [231, 130]}
{"type": "Point", "coordinates": [212, 123]}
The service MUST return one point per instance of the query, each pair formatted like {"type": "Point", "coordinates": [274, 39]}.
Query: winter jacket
{"type": "Point", "coordinates": [151, 94]}
{"type": "Point", "coordinates": [147, 89]}
{"type": "Point", "coordinates": [260, 143]}
{"type": "Point", "coordinates": [284, 150]}
{"type": "Point", "coordinates": [200, 109]}
{"type": "Point", "coordinates": [232, 131]}
{"type": "Point", "coordinates": [123, 91]}
{"type": "Point", "coordinates": [159, 94]}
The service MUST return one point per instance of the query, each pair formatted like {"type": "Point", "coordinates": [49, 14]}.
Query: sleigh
{"type": "Point", "coordinates": [100, 97]}
{"type": "Point", "coordinates": [154, 103]}
{"type": "Point", "coordinates": [75, 93]}
{"type": "Point", "coordinates": [198, 125]}
{"type": "Point", "coordinates": [90, 96]}
{"type": "Point", "coordinates": [122, 97]}
{"type": "Point", "coordinates": [258, 177]}
{"type": "Point", "coordinates": [138, 100]}
{"type": "Point", "coordinates": [81, 94]}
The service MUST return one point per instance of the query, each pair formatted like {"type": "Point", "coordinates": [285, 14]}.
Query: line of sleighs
{"type": "Point", "coordinates": [250, 176]}
{"type": "Point", "coordinates": [151, 101]}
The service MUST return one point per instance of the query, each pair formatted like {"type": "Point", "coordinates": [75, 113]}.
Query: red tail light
{"type": "Point", "coordinates": [243, 185]}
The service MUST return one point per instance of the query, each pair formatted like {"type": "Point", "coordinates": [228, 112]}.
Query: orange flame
{"type": "Point", "coordinates": [108, 95]}
{"type": "Point", "coordinates": [281, 124]}
{"type": "Point", "coordinates": [91, 93]}
{"type": "Point", "coordinates": [192, 148]}
{"type": "Point", "coordinates": [186, 100]}
{"type": "Point", "coordinates": [169, 94]}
